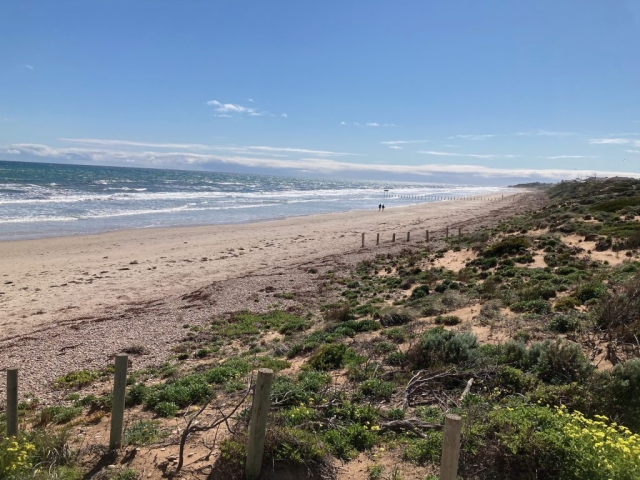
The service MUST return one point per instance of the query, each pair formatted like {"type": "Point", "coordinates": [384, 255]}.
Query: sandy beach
{"type": "Point", "coordinates": [74, 302]}
{"type": "Point", "coordinates": [56, 279]}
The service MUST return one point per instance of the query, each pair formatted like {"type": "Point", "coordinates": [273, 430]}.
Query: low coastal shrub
{"type": "Point", "coordinates": [531, 442]}
{"type": "Point", "coordinates": [331, 357]}
{"type": "Point", "coordinates": [448, 320]}
{"type": "Point", "coordinates": [440, 347]}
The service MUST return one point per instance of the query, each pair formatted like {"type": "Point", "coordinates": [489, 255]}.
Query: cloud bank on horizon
{"type": "Point", "coordinates": [292, 160]}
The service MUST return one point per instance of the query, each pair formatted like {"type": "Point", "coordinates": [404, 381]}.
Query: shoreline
{"type": "Point", "coordinates": [55, 279]}
{"type": "Point", "coordinates": [511, 192]}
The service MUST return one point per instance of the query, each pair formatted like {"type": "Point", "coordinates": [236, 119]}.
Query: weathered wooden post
{"type": "Point", "coordinates": [446, 234]}
{"type": "Point", "coordinates": [459, 232]}
{"type": "Point", "coordinates": [258, 425]}
{"type": "Point", "coordinates": [117, 410]}
{"type": "Point", "coordinates": [408, 236]}
{"type": "Point", "coordinates": [12, 402]}
{"type": "Point", "coordinates": [377, 239]}
{"type": "Point", "coordinates": [450, 447]}
{"type": "Point", "coordinates": [363, 239]}
{"type": "Point", "coordinates": [427, 235]}
{"type": "Point", "coordinates": [393, 239]}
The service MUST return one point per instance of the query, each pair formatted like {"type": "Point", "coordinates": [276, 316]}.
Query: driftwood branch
{"type": "Point", "coordinates": [413, 424]}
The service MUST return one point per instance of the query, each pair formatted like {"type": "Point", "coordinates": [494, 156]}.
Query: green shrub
{"type": "Point", "coordinates": [448, 320]}
{"type": "Point", "coordinates": [508, 246]}
{"type": "Point", "coordinates": [189, 390]}
{"type": "Point", "coordinates": [345, 444]}
{"type": "Point", "coordinates": [142, 432]}
{"type": "Point", "coordinates": [58, 415]}
{"type": "Point", "coordinates": [562, 323]}
{"type": "Point", "coordinates": [439, 346]}
{"type": "Point", "coordinates": [306, 387]}
{"type": "Point", "coordinates": [77, 379]}
{"type": "Point", "coordinates": [420, 292]}
{"type": "Point", "coordinates": [331, 357]}
{"type": "Point", "coordinates": [620, 392]}
{"type": "Point", "coordinates": [392, 316]}
{"type": "Point", "coordinates": [558, 361]}
{"type": "Point", "coordinates": [424, 450]}
{"type": "Point", "coordinates": [588, 291]}
{"type": "Point", "coordinates": [532, 442]}
{"type": "Point", "coordinates": [540, 307]}
{"type": "Point", "coordinates": [285, 448]}
{"type": "Point", "coordinates": [166, 409]}
{"type": "Point", "coordinates": [564, 304]}
{"type": "Point", "coordinates": [396, 334]}
{"type": "Point", "coordinates": [376, 389]}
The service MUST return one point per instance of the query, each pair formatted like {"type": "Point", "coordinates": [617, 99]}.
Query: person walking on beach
{"type": "Point", "coordinates": [383, 207]}
{"type": "Point", "coordinates": [379, 206]}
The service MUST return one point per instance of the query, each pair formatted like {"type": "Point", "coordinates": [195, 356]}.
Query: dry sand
{"type": "Point", "coordinates": [55, 279]}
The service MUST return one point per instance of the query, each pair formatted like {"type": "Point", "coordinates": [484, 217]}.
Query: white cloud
{"type": "Point", "coordinates": [402, 142]}
{"type": "Point", "coordinates": [471, 155]}
{"type": "Point", "coordinates": [129, 143]}
{"type": "Point", "coordinates": [610, 141]}
{"type": "Point", "coordinates": [300, 150]}
{"type": "Point", "coordinates": [250, 100]}
{"type": "Point", "coordinates": [558, 157]}
{"type": "Point", "coordinates": [396, 147]}
{"type": "Point", "coordinates": [231, 108]}
{"type": "Point", "coordinates": [473, 137]}
{"type": "Point", "coordinates": [284, 115]}
{"type": "Point", "coordinates": [369, 124]}
{"type": "Point", "coordinates": [11, 151]}
{"type": "Point", "coordinates": [633, 151]}
{"type": "Point", "coordinates": [547, 133]}
{"type": "Point", "coordinates": [198, 146]}
{"type": "Point", "coordinates": [313, 165]}
{"type": "Point", "coordinates": [29, 67]}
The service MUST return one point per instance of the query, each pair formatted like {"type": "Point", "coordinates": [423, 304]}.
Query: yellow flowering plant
{"type": "Point", "coordinates": [14, 457]}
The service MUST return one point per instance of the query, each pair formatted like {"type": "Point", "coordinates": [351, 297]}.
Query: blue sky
{"type": "Point", "coordinates": [477, 92]}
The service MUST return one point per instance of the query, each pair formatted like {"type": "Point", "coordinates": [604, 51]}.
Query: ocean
{"type": "Point", "coordinates": [44, 200]}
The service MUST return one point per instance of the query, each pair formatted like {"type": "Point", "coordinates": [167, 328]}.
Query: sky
{"type": "Point", "coordinates": [465, 91]}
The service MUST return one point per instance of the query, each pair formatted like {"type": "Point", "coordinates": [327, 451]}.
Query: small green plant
{"type": "Point", "coordinates": [448, 320]}
{"type": "Point", "coordinates": [143, 432]}
{"type": "Point", "coordinates": [376, 389]}
{"type": "Point", "coordinates": [375, 472]}
{"type": "Point", "coordinates": [166, 409]}
{"type": "Point", "coordinates": [58, 415]}
{"type": "Point", "coordinates": [331, 357]}
{"type": "Point", "coordinates": [77, 379]}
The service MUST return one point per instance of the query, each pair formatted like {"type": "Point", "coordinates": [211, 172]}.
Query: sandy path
{"type": "Point", "coordinates": [50, 280]}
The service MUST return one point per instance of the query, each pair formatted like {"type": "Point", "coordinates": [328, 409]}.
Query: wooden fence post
{"type": "Point", "coordinates": [12, 402]}
{"type": "Point", "coordinates": [427, 235]}
{"type": "Point", "coordinates": [459, 232]}
{"type": "Point", "coordinates": [363, 239]}
{"type": "Point", "coordinates": [117, 410]}
{"type": "Point", "coordinates": [258, 425]}
{"type": "Point", "coordinates": [408, 236]}
{"type": "Point", "coordinates": [450, 447]}
{"type": "Point", "coordinates": [446, 234]}
{"type": "Point", "coordinates": [393, 239]}
{"type": "Point", "coordinates": [377, 239]}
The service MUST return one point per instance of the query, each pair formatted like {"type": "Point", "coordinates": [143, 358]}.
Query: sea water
{"type": "Point", "coordinates": [43, 200]}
